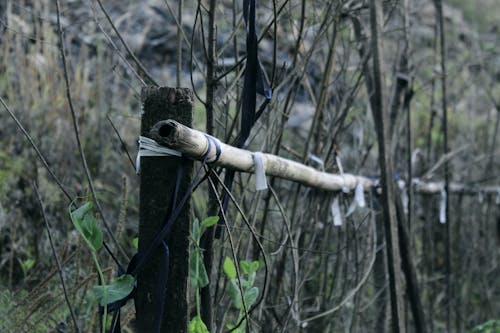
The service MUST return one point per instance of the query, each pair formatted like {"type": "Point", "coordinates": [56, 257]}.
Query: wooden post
{"type": "Point", "coordinates": [158, 176]}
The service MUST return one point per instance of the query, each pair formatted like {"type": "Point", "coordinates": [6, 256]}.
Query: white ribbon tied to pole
{"type": "Point", "coordinates": [260, 172]}
{"type": "Point", "coordinates": [336, 214]}
{"type": "Point", "coordinates": [149, 147]}
{"type": "Point", "coordinates": [442, 207]}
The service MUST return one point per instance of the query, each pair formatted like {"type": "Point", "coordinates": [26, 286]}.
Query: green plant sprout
{"type": "Point", "coordinates": [86, 224]}
{"type": "Point", "coordinates": [198, 277]}
{"type": "Point", "coordinates": [250, 292]}
{"type": "Point", "coordinates": [26, 265]}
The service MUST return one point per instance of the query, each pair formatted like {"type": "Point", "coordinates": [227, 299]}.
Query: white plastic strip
{"type": "Point", "coordinates": [497, 199]}
{"type": "Point", "coordinates": [345, 189]}
{"type": "Point", "coordinates": [149, 147]}
{"type": "Point", "coordinates": [260, 172]}
{"type": "Point", "coordinates": [359, 200]}
{"type": "Point", "coordinates": [404, 195]}
{"type": "Point", "coordinates": [442, 207]}
{"type": "Point", "coordinates": [359, 195]}
{"type": "Point", "coordinates": [480, 197]}
{"type": "Point", "coordinates": [336, 214]}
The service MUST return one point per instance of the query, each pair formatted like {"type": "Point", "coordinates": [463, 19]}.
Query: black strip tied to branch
{"type": "Point", "coordinates": [255, 82]}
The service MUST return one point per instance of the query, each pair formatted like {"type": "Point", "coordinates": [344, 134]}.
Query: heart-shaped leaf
{"type": "Point", "coordinates": [120, 288]}
{"type": "Point", "coordinates": [196, 325]}
{"type": "Point", "coordinates": [87, 226]}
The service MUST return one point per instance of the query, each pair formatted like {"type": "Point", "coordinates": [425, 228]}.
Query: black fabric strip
{"type": "Point", "coordinates": [255, 82]}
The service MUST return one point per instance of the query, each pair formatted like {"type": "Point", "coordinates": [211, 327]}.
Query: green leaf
{"type": "Point", "coordinates": [196, 325]}
{"type": "Point", "coordinates": [251, 279]}
{"type": "Point", "coordinates": [135, 242]}
{"type": "Point", "coordinates": [198, 276]}
{"type": "Point", "coordinates": [229, 268]}
{"type": "Point", "coordinates": [80, 212]}
{"type": "Point", "coordinates": [86, 225]}
{"type": "Point", "coordinates": [251, 295]}
{"type": "Point", "coordinates": [115, 291]}
{"type": "Point", "coordinates": [249, 267]}
{"type": "Point", "coordinates": [26, 265]}
{"type": "Point", "coordinates": [196, 234]}
{"type": "Point", "coordinates": [210, 221]}
{"type": "Point", "coordinates": [254, 266]}
{"type": "Point", "coordinates": [234, 293]}
{"type": "Point", "coordinates": [245, 267]}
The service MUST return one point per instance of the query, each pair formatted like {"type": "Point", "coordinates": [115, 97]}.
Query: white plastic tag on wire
{"type": "Point", "coordinates": [480, 197]}
{"type": "Point", "coordinates": [336, 214]}
{"type": "Point", "coordinates": [149, 147]}
{"type": "Point", "coordinates": [404, 195]}
{"type": "Point", "coordinates": [345, 189]}
{"type": "Point", "coordinates": [359, 200]}
{"type": "Point", "coordinates": [442, 207]}
{"type": "Point", "coordinates": [359, 195]}
{"type": "Point", "coordinates": [260, 172]}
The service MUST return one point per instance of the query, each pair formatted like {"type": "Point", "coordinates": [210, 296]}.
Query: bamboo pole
{"type": "Point", "coordinates": [195, 144]}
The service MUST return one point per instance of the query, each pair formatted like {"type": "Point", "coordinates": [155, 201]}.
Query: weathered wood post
{"type": "Point", "coordinates": [158, 177]}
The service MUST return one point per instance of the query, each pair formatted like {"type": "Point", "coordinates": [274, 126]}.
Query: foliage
{"type": "Point", "coordinates": [198, 277]}
{"type": "Point", "coordinates": [26, 265]}
{"type": "Point", "coordinates": [120, 288]}
{"type": "Point", "coordinates": [196, 325]}
{"type": "Point", "coordinates": [86, 224]}
{"type": "Point", "coordinates": [250, 293]}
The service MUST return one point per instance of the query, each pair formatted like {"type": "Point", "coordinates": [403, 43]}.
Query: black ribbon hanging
{"type": "Point", "coordinates": [255, 82]}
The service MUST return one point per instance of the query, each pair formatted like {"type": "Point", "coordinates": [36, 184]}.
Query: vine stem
{"type": "Point", "coordinates": [101, 280]}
